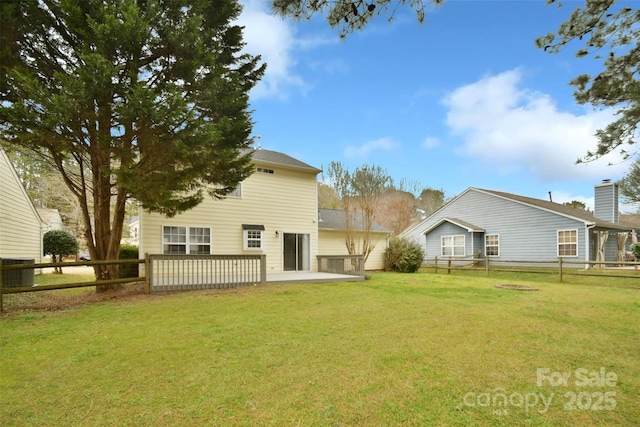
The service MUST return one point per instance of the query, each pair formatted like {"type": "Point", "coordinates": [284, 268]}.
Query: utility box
{"type": "Point", "coordinates": [17, 278]}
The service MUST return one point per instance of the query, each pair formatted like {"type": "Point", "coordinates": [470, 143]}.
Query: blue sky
{"type": "Point", "coordinates": [463, 100]}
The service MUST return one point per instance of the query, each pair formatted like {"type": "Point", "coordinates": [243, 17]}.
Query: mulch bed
{"type": "Point", "coordinates": [516, 287]}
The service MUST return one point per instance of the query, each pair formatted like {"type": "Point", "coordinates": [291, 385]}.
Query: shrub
{"type": "Point", "coordinates": [635, 250]}
{"type": "Point", "coordinates": [403, 255]}
{"type": "Point", "coordinates": [58, 244]}
{"type": "Point", "coordinates": [128, 252]}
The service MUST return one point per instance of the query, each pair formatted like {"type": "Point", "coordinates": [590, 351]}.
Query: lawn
{"type": "Point", "coordinates": [419, 349]}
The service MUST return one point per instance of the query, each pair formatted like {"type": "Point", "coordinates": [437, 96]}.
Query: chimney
{"type": "Point", "coordinates": [606, 201]}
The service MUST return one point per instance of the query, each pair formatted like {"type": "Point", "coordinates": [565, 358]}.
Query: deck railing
{"type": "Point", "coordinates": [188, 272]}
{"type": "Point", "coordinates": [341, 264]}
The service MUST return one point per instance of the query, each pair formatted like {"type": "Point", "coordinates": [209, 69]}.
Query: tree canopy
{"type": "Point", "coordinates": [608, 31]}
{"type": "Point", "coordinates": [630, 184]}
{"type": "Point", "coordinates": [144, 99]}
{"type": "Point", "coordinates": [349, 15]}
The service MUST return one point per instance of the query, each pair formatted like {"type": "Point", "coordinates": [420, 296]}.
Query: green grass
{"type": "Point", "coordinates": [419, 349]}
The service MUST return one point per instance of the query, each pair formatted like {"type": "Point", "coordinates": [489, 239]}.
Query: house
{"type": "Point", "coordinates": [273, 212]}
{"type": "Point", "coordinates": [20, 224]}
{"type": "Point", "coordinates": [332, 236]}
{"type": "Point", "coordinates": [507, 226]}
{"type": "Point", "coordinates": [51, 219]}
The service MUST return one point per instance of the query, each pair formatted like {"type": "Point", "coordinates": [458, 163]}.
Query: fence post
{"type": "Point", "coordinates": [147, 274]}
{"type": "Point", "coordinates": [1, 307]}
{"type": "Point", "coordinates": [486, 265]}
{"type": "Point", "coordinates": [436, 258]}
{"type": "Point", "coordinates": [560, 268]}
{"type": "Point", "coordinates": [263, 269]}
{"type": "Point", "coordinates": [449, 266]}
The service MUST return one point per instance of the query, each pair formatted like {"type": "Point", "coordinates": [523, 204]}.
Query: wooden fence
{"type": "Point", "coordinates": [559, 267]}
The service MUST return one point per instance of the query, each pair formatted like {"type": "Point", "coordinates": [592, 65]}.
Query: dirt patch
{"type": "Point", "coordinates": [65, 299]}
{"type": "Point", "coordinates": [516, 287]}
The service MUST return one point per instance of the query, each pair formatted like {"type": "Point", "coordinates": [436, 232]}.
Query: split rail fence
{"type": "Point", "coordinates": [560, 267]}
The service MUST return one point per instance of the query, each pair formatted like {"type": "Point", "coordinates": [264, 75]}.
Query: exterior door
{"type": "Point", "coordinates": [297, 252]}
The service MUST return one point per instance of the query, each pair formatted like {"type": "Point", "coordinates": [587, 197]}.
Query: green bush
{"type": "Point", "coordinates": [58, 244]}
{"type": "Point", "coordinates": [128, 252]}
{"type": "Point", "coordinates": [403, 255]}
{"type": "Point", "coordinates": [635, 250]}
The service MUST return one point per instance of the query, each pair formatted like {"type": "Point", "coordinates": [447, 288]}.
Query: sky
{"type": "Point", "coordinates": [463, 100]}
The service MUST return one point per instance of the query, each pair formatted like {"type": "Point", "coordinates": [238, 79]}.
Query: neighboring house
{"type": "Point", "coordinates": [332, 237]}
{"type": "Point", "coordinates": [273, 212]}
{"type": "Point", "coordinates": [20, 224]}
{"type": "Point", "coordinates": [51, 219]}
{"type": "Point", "coordinates": [511, 227]}
{"type": "Point", "coordinates": [134, 231]}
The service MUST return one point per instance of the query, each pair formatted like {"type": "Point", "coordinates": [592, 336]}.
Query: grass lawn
{"type": "Point", "coordinates": [419, 349]}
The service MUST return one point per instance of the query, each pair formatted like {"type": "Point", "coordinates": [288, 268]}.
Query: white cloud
{"type": "Point", "coordinates": [383, 144]}
{"type": "Point", "coordinates": [275, 39]}
{"type": "Point", "coordinates": [513, 128]}
{"type": "Point", "coordinates": [430, 142]}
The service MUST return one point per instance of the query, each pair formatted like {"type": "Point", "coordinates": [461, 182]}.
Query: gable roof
{"type": "Point", "coordinates": [458, 222]}
{"type": "Point", "coordinates": [334, 219]}
{"type": "Point", "coordinates": [281, 159]}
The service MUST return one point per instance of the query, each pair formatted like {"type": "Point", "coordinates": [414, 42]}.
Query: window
{"type": "Point", "coordinates": [567, 243]}
{"type": "Point", "coordinates": [453, 245]}
{"type": "Point", "coordinates": [265, 170]}
{"type": "Point", "coordinates": [237, 193]}
{"type": "Point", "coordinates": [253, 237]}
{"type": "Point", "coordinates": [186, 240]}
{"type": "Point", "coordinates": [492, 245]}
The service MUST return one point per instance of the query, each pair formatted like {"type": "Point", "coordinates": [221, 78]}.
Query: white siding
{"type": "Point", "coordinates": [20, 226]}
{"type": "Point", "coordinates": [284, 202]}
{"type": "Point", "coordinates": [332, 243]}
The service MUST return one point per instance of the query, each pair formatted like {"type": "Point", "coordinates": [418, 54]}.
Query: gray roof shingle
{"type": "Point", "coordinates": [334, 219]}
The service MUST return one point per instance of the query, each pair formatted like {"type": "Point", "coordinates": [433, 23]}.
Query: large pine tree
{"type": "Point", "coordinates": [144, 99]}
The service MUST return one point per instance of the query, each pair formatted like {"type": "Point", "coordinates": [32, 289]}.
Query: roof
{"type": "Point", "coordinates": [276, 158]}
{"type": "Point", "coordinates": [46, 214]}
{"type": "Point", "coordinates": [334, 219]}
{"type": "Point", "coordinates": [460, 223]}
{"type": "Point", "coordinates": [565, 210]}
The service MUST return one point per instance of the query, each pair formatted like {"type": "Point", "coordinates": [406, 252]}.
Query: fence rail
{"type": "Point", "coordinates": [352, 265]}
{"type": "Point", "coordinates": [560, 266]}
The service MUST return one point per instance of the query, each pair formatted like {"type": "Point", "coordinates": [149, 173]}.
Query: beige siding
{"type": "Point", "coordinates": [332, 243]}
{"type": "Point", "coordinates": [284, 202]}
{"type": "Point", "coordinates": [20, 227]}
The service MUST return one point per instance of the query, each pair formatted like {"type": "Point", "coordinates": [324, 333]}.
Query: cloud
{"type": "Point", "coordinates": [277, 42]}
{"type": "Point", "coordinates": [273, 39]}
{"type": "Point", "coordinates": [512, 128]}
{"type": "Point", "coordinates": [384, 144]}
{"type": "Point", "coordinates": [430, 142]}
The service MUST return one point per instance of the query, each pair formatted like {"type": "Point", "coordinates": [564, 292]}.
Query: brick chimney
{"type": "Point", "coordinates": [606, 201]}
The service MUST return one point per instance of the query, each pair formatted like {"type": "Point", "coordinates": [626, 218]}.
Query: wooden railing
{"type": "Point", "coordinates": [352, 265]}
{"type": "Point", "coordinates": [188, 272]}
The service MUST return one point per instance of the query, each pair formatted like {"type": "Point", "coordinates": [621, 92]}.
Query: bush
{"type": "Point", "coordinates": [128, 252]}
{"type": "Point", "coordinates": [58, 244]}
{"type": "Point", "coordinates": [403, 255]}
{"type": "Point", "coordinates": [635, 250]}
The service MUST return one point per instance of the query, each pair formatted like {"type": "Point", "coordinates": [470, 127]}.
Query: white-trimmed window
{"type": "Point", "coordinates": [179, 240]}
{"type": "Point", "coordinates": [253, 237]}
{"type": "Point", "coordinates": [567, 243]}
{"type": "Point", "coordinates": [237, 193]}
{"type": "Point", "coordinates": [492, 245]}
{"type": "Point", "coordinates": [453, 245]}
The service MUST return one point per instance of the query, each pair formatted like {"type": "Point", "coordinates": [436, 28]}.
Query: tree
{"type": "Point", "coordinates": [630, 183]}
{"type": "Point", "coordinates": [608, 31]}
{"type": "Point", "coordinates": [577, 204]}
{"type": "Point", "coordinates": [327, 197]}
{"type": "Point", "coordinates": [359, 193]}
{"type": "Point", "coordinates": [349, 15]}
{"type": "Point", "coordinates": [58, 244]}
{"type": "Point", "coordinates": [143, 99]}
{"type": "Point", "coordinates": [430, 200]}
